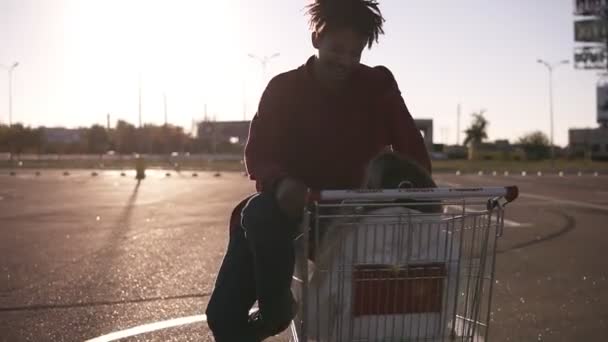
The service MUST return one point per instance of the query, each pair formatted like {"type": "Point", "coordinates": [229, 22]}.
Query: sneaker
{"type": "Point", "coordinates": [264, 327]}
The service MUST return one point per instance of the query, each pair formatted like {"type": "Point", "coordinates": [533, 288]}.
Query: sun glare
{"type": "Point", "coordinates": [189, 50]}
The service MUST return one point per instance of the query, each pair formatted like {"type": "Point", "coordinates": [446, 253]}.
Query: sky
{"type": "Point", "coordinates": [82, 59]}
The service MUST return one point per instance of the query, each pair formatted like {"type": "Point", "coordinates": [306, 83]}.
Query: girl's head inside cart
{"type": "Point", "coordinates": [389, 170]}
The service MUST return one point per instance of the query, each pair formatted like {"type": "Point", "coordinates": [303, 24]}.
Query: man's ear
{"type": "Point", "coordinates": [315, 37]}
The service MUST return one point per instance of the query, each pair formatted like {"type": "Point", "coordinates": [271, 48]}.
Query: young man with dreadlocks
{"type": "Point", "coordinates": [317, 127]}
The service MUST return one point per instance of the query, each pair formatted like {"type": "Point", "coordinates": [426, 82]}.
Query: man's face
{"type": "Point", "coordinates": [339, 53]}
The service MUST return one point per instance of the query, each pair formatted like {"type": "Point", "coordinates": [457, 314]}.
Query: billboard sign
{"type": "Point", "coordinates": [602, 103]}
{"type": "Point", "coordinates": [591, 31]}
{"type": "Point", "coordinates": [590, 57]}
{"type": "Point", "coordinates": [590, 7]}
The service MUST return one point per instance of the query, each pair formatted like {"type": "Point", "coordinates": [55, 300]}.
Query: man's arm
{"type": "Point", "coordinates": [404, 136]}
{"type": "Point", "coordinates": [263, 150]}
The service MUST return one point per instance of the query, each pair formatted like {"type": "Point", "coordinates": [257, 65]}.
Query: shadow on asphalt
{"type": "Point", "coordinates": [569, 226]}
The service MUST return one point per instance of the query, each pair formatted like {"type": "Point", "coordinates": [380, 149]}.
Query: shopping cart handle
{"type": "Point", "coordinates": [313, 196]}
{"type": "Point", "coordinates": [512, 193]}
{"type": "Point", "coordinates": [509, 193]}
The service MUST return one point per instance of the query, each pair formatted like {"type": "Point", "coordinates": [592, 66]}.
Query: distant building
{"type": "Point", "coordinates": [503, 145]}
{"type": "Point", "coordinates": [498, 150]}
{"type": "Point", "coordinates": [62, 135]}
{"type": "Point", "coordinates": [219, 132]}
{"type": "Point", "coordinates": [237, 132]}
{"type": "Point", "coordinates": [455, 151]}
{"type": "Point", "coordinates": [588, 142]}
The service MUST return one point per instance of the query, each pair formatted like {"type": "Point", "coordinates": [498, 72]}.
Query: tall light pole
{"type": "Point", "coordinates": [165, 106]}
{"type": "Point", "coordinates": [264, 61]}
{"type": "Point", "coordinates": [264, 64]}
{"type": "Point", "coordinates": [139, 98]}
{"type": "Point", "coordinates": [550, 68]}
{"type": "Point", "coordinates": [458, 125]}
{"type": "Point", "coordinates": [10, 91]}
{"type": "Point", "coordinates": [244, 100]}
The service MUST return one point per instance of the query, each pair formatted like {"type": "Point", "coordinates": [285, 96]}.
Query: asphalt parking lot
{"type": "Point", "coordinates": [85, 256]}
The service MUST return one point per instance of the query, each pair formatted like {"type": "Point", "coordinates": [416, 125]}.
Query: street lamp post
{"type": "Point", "coordinates": [139, 98]}
{"type": "Point", "coordinates": [10, 91]}
{"type": "Point", "coordinates": [264, 61]}
{"type": "Point", "coordinates": [264, 64]}
{"type": "Point", "coordinates": [551, 68]}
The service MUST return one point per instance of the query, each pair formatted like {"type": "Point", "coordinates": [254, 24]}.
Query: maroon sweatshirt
{"type": "Point", "coordinates": [326, 139]}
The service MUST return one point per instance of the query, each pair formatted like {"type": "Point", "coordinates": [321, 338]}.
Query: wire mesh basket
{"type": "Point", "coordinates": [398, 265]}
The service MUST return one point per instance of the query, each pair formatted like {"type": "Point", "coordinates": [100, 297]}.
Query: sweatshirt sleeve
{"type": "Point", "coordinates": [404, 136]}
{"type": "Point", "coordinates": [263, 157]}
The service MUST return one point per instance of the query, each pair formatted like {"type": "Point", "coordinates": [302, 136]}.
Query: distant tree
{"type": "Point", "coordinates": [536, 145]}
{"type": "Point", "coordinates": [175, 138]}
{"type": "Point", "coordinates": [125, 137]}
{"type": "Point", "coordinates": [97, 138]}
{"type": "Point", "coordinates": [17, 138]}
{"type": "Point", "coordinates": [4, 138]}
{"type": "Point", "coordinates": [31, 139]}
{"type": "Point", "coordinates": [477, 132]}
{"type": "Point", "coordinates": [162, 139]}
{"type": "Point", "coordinates": [39, 140]}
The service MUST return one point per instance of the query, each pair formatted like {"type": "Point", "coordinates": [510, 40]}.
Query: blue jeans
{"type": "Point", "coordinates": [258, 265]}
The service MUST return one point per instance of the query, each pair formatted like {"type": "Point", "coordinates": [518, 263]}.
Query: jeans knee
{"type": "Point", "coordinates": [261, 212]}
{"type": "Point", "coordinates": [228, 325]}
{"type": "Point", "coordinates": [216, 320]}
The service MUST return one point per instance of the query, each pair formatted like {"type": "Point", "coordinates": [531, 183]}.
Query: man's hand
{"type": "Point", "coordinates": [291, 197]}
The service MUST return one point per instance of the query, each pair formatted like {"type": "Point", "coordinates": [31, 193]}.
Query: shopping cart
{"type": "Point", "coordinates": [398, 265]}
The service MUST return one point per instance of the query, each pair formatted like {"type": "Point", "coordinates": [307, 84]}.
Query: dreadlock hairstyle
{"type": "Point", "coordinates": [363, 16]}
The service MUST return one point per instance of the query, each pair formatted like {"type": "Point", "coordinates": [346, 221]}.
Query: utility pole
{"type": "Point", "coordinates": [165, 103]}
{"type": "Point", "coordinates": [458, 125]}
{"type": "Point", "coordinates": [551, 68]}
{"type": "Point", "coordinates": [444, 135]}
{"type": "Point", "coordinates": [264, 62]}
{"type": "Point", "coordinates": [10, 69]}
{"type": "Point", "coordinates": [139, 91]}
{"type": "Point", "coordinates": [244, 101]}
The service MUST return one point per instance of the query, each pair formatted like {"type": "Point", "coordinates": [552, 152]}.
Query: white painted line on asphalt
{"type": "Point", "coordinates": [146, 328]}
{"type": "Point", "coordinates": [150, 327]}
{"type": "Point", "coordinates": [566, 202]}
{"type": "Point", "coordinates": [510, 223]}
{"type": "Point", "coordinates": [551, 199]}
